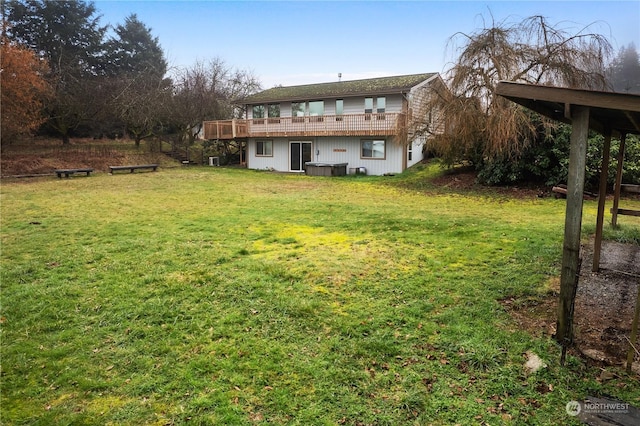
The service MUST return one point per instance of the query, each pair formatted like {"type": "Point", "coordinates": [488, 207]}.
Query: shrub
{"type": "Point", "coordinates": [547, 162]}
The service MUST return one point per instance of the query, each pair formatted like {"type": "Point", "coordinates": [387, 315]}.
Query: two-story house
{"type": "Point", "coordinates": [363, 124]}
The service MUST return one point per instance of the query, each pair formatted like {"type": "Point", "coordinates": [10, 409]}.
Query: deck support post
{"type": "Point", "coordinates": [573, 224]}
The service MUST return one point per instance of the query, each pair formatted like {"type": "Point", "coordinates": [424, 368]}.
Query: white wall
{"type": "Point", "coordinates": [332, 150]}
{"type": "Point", "coordinates": [279, 161]}
{"type": "Point", "coordinates": [416, 156]}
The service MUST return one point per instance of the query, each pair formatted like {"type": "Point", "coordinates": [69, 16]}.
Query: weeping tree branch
{"type": "Point", "coordinates": [531, 51]}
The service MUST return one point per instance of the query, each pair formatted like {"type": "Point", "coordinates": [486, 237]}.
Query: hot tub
{"type": "Point", "coordinates": [326, 169]}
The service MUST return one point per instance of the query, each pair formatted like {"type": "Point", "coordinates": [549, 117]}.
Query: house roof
{"type": "Point", "coordinates": [370, 86]}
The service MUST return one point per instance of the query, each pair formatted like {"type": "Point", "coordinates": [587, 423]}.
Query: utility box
{"type": "Point", "coordinates": [214, 161]}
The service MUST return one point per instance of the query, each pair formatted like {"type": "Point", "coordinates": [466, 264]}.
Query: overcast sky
{"type": "Point", "coordinates": [302, 42]}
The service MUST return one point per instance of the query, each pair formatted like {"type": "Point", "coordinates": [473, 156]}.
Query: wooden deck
{"type": "Point", "coordinates": [374, 124]}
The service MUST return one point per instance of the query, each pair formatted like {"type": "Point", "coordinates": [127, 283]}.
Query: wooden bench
{"type": "Point", "coordinates": [627, 187]}
{"type": "Point", "coordinates": [69, 172]}
{"type": "Point", "coordinates": [561, 192]}
{"type": "Point", "coordinates": [132, 168]}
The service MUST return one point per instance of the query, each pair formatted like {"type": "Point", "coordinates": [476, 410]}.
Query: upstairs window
{"type": "Point", "coordinates": [373, 148]}
{"type": "Point", "coordinates": [381, 106]}
{"type": "Point", "coordinates": [273, 112]}
{"type": "Point", "coordinates": [316, 110]}
{"type": "Point", "coordinates": [339, 109]}
{"type": "Point", "coordinates": [258, 113]}
{"type": "Point", "coordinates": [368, 105]}
{"type": "Point", "coordinates": [297, 111]}
{"type": "Point", "coordinates": [368, 108]}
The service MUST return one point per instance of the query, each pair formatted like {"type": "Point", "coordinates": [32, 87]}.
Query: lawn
{"type": "Point", "coordinates": [227, 296]}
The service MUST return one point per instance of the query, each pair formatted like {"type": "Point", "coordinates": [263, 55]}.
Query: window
{"type": "Point", "coordinates": [316, 110]}
{"type": "Point", "coordinates": [297, 110]}
{"type": "Point", "coordinates": [264, 148]}
{"type": "Point", "coordinates": [339, 109]}
{"type": "Point", "coordinates": [373, 149]}
{"type": "Point", "coordinates": [381, 105]}
{"type": "Point", "coordinates": [368, 105]}
{"type": "Point", "coordinates": [273, 112]}
{"type": "Point", "coordinates": [368, 108]}
{"type": "Point", "coordinates": [258, 112]}
{"type": "Point", "coordinates": [410, 151]}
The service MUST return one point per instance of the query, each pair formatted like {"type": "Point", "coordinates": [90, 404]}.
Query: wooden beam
{"type": "Point", "coordinates": [634, 334]}
{"type": "Point", "coordinates": [602, 198]}
{"type": "Point", "coordinates": [629, 212]}
{"type": "Point", "coordinates": [573, 224]}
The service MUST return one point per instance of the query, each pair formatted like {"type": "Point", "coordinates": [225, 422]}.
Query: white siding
{"type": "Point", "coordinates": [347, 150]}
{"type": "Point", "coordinates": [330, 150]}
{"type": "Point", "coordinates": [279, 161]}
{"type": "Point", "coordinates": [416, 155]}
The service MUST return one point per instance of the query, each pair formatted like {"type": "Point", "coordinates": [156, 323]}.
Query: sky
{"type": "Point", "coordinates": [304, 42]}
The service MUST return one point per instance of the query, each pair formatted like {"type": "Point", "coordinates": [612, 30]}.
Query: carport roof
{"type": "Point", "coordinates": [619, 112]}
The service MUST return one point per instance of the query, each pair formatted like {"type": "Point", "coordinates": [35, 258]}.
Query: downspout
{"type": "Point", "coordinates": [405, 113]}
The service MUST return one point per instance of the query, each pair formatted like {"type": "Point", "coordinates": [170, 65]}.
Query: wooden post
{"type": "Point", "coordinates": [602, 198]}
{"type": "Point", "coordinates": [634, 334]}
{"type": "Point", "coordinates": [573, 223]}
{"type": "Point", "coordinates": [618, 184]}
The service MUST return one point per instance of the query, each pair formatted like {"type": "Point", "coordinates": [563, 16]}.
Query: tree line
{"type": "Point", "coordinates": [64, 74]}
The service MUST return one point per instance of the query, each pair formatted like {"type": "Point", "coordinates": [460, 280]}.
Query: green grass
{"type": "Point", "coordinates": [222, 296]}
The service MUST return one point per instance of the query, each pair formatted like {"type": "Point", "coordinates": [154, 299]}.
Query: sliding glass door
{"type": "Point", "coordinates": [300, 153]}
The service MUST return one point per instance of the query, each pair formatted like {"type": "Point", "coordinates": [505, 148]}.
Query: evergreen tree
{"type": "Point", "coordinates": [137, 67]}
{"type": "Point", "coordinates": [624, 72]}
{"type": "Point", "coordinates": [66, 33]}
{"type": "Point", "coordinates": [135, 51]}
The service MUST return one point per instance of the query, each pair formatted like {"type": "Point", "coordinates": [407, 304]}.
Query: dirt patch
{"type": "Point", "coordinates": [605, 301]}
{"type": "Point", "coordinates": [604, 305]}
{"type": "Point", "coordinates": [465, 179]}
{"type": "Point", "coordinates": [42, 157]}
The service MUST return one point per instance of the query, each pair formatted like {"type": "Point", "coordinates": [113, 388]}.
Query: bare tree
{"type": "Point", "coordinates": [207, 91]}
{"type": "Point", "coordinates": [532, 51]}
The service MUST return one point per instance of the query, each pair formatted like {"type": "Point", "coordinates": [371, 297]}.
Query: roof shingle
{"type": "Point", "coordinates": [370, 86]}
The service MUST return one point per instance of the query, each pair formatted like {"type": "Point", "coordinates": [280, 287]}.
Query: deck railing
{"type": "Point", "coordinates": [373, 124]}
